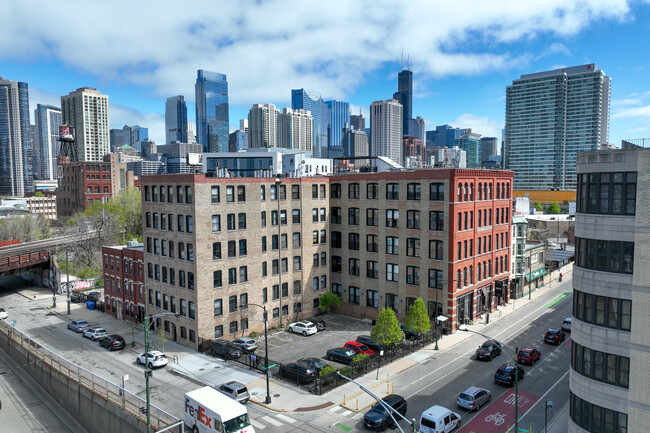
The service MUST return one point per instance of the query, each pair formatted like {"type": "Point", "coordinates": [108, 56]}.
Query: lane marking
{"type": "Point", "coordinates": [272, 421]}
{"type": "Point", "coordinates": [285, 418]}
{"type": "Point", "coordinates": [342, 426]}
{"type": "Point", "coordinates": [335, 408]}
{"type": "Point", "coordinates": [256, 424]}
{"type": "Point", "coordinates": [545, 394]}
{"type": "Point", "coordinates": [559, 299]}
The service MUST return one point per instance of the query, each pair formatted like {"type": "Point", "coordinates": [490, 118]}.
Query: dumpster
{"type": "Point", "coordinates": [90, 305]}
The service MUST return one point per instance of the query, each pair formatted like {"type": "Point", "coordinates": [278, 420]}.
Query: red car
{"type": "Point", "coordinates": [528, 355]}
{"type": "Point", "coordinates": [359, 348]}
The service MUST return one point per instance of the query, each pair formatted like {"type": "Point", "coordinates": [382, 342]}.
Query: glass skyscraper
{"type": "Point", "coordinates": [48, 120]}
{"type": "Point", "coordinates": [134, 135]}
{"type": "Point", "coordinates": [175, 120]}
{"type": "Point", "coordinates": [15, 143]}
{"type": "Point", "coordinates": [338, 117]}
{"type": "Point", "coordinates": [212, 118]}
{"type": "Point", "coordinates": [404, 96]}
{"type": "Point", "coordinates": [550, 117]}
{"type": "Point", "coordinates": [444, 136]}
{"type": "Point", "coordinates": [314, 104]}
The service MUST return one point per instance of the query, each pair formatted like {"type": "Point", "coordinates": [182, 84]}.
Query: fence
{"type": "Point", "coordinates": [110, 392]}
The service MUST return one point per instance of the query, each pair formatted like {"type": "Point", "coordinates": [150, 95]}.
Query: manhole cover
{"type": "Point", "coordinates": [253, 393]}
{"type": "Point", "coordinates": [276, 395]}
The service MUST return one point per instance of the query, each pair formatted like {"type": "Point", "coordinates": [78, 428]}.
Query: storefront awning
{"type": "Point", "coordinates": [442, 318]}
{"type": "Point", "coordinates": [536, 274]}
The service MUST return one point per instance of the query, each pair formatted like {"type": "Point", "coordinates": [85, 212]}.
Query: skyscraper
{"type": "Point", "coordinates": [550, 117]}
{"type": "Point", "coordinates": [488, 148]}
{"type": "Point", "coordinates": [212, 118]}
{"type": "Point", "coordinates": [386, 129]}
{"type": "Point", "coordinates": [262, 126]}
{"type": "Point", "coordinates": [355, 143]}
{"type": "Point", "coordinates": [357, 122]}
{"type": "Point", "coordinates": [338, 117]}
{"type": "Point", "coordinates": [314, 104]}
{"type": "Point", "coordinates": [48, 120]}
{"type": "Point", "coordinates": [15, 153]}
{"type": "Point", "coordinates": [87, 110]}
{"type": "Point", "coordinates": [404, 96]}
{"type": "Point", "coordinates": [444, 136]}
{"type": "Point", "coordinates": [295, 129]}
{"type": "Point", "coordinates": [116, 138]}
{"type": "Point", "coordinates": [471, 143]}
{"type": "Point", "coordinates": [176, 120]}
{"type": "Point", "coordinates": [416, 128]}
{"type": "Point", "coordinates": [134, 135]}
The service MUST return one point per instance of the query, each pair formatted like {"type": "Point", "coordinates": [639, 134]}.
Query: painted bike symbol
{"type": "Point", "coordinates": [498, 418]}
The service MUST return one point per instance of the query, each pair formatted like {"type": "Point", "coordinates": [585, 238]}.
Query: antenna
{"type": "Point", "coordinates": [408, 62]}
{"type": "Point", "coordinates": [402, 65]}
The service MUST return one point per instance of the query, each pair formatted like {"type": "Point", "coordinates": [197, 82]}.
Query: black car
{"type": "Point", "coordinates": [506, 374]}
{"type": "Point", "coordinates": [315, 363]}
{"type": "Point", "coordinates": [113, 342]}
{"type": "Point", "coordinates": [341, 354]}
{"type": "Point", "coordinates": [488, 350]}
{"type": "Point", "coordinates": [299, 372]}
{"type": "Point", "coordinates": [365, 339]}
{"type": "Point", "coordinates": [377, 418]}
{"type": "Point", "coordinates": [92, 296]}
{"type": "Point", "coordinates": [320, 323]}
{"type": "Point", "coordinates": [411, 335]}
{"type": "Point", "coordinates": [554, 336]}
{"type": "Point", "coordinates": [225, 349]}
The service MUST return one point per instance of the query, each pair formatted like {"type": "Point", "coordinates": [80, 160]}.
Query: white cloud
{"type": "Point", "coordinates": [267, 48]}
{"type": "Point", "coordinates": [633, 112]}
{"type": "Point", "coordinates": [120, 116]}
{"type": "Point", "coordinates": [480, 125]}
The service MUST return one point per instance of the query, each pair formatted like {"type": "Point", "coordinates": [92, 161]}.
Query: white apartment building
{"type": "Point", "coordinates": [386, 129]}
{"type": "Point", "coordinates": [262, 124]}
{"type": "Point", "coordinates": [295, 129]}
{"type": "Point", "coordinates": [87, 110]}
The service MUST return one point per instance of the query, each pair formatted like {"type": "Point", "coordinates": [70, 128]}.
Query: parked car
{"type": "Point", "coordinates": [235, 390]}
{"type": "Point", "coordinates": [566, 324]}
{"type": "Point", "coordinates": [316, 363]}
{"type": "Point", "coordinates": [320, 323]}
{"type": "Point", "coordinates": [95, 333]}
{"type": "Point", "coordinates": [506, 374]}
{"type": "Point", "coordinates": [411, 335]}
{"type": "Point", "coordinates": [377, 418]}
{"type": "Point", "coordinates": [154, 358]}
{"type": "Point", "coordinates": [92, 296]}
{"type": "Point", "coordinates": [438, 419]}
{"type": "Point", "coordinates": [304, 328]}
{"type": "Point", "coordinates": [341, 354]}
{"type": "Point", "coordinates": [78, 325]}
{"type": "Point", "coordinates": [225, 349]}
{"type": "Point", "coordinates": [554, 336]}
{"type": "Point", "coordinates": [113, 342]}
{"type": "Point", "coordinates": [528, 355]}
{"type": "Point", "coordinates": [299, 372]}
{"type": "Point", "coordinates": [365, 339]}
{"type": "Point", "coordinates": [488, 350]}
{"type": "Point", "coordinates": [3, 314]}
{"type": "Point", "coordinates": [473, 398]}
{"type": "Point", "coordinates": [359, 348]}
{"type": "Point", "coordinates": [245, 344]}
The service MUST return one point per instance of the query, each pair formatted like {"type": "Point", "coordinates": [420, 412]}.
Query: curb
{"type": "Point", "coordinates": [271, 408]}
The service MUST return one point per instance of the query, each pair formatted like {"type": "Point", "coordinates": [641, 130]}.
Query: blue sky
{"type": "Point", "coordinates": [463, 53]}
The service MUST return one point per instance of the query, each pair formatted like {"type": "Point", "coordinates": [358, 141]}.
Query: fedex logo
{"type": "Point", "coordinates": [198, 413]}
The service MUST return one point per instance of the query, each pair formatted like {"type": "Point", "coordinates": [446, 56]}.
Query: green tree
{"type": "Point", "coordinates": [386, 330]}
{"type": "Point", "coordinates": [39, 194]}
{"type": "Point", "coordinates": [417, 318]}
{"type": "Point", "coordinates": [31, 227]}
{"type": "Point", "coordinates": [554, 208]}
{"type": "Point", "coordinates": [327, 300]}
{"type": "Point", "coordinates": [537, 206]}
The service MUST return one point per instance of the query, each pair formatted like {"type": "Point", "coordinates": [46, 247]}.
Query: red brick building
{"type": "Point", "coordinates": [81, 184]}
{"type": "Point", "coordinates": [124, 281]}
{"type": "Point", "coordinates": [414, 147]}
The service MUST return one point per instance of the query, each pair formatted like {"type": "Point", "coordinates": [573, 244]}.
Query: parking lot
{"type": "Point", "coordinates": [287, 347]}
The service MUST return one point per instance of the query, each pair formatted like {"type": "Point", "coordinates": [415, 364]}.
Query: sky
{"type": "Point", "coordinates": [463, 53]}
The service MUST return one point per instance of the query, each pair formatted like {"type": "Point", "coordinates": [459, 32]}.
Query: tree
{"type": "Point", "coordinates": [554, 208]}
{"type": "Point", "coordinates": [39, 194]}
{"type": "Point", "coordinates": [327, 300]}
{"type": "Point", "coordinates": [386, 330]}
{"type": "Point", "coordinates": [162, 337]}
{"type": "Point", "coordinates": [417, 318]}
{"type": "Point", "coordinates": [28, 228]}
{"type": "Point", "coordinates": [537, 206]}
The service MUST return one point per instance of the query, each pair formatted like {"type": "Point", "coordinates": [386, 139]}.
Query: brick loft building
{"type": "Point", "coordinates": [124, 281]}
{"type": "Point", "coordinates": [81, 184]}
{"type": "Point", "coordinates": [215, 246]}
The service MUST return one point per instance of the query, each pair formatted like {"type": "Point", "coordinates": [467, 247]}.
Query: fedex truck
{"type": "Point", "coordinates": [208, 410]}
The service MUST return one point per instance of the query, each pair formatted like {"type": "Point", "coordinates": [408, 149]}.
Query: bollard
{"type": "Point", "coordinates": [357, 404]}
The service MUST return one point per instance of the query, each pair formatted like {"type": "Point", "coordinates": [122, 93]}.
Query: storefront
{"type": "Point", "coordinates": [501, 292]}
{"type": "Point", "coordinates": [534, 279]}
{"type": "Point", "coordinates": [484, 299]}
{"type": "Point", "coordinates": [464, 308]}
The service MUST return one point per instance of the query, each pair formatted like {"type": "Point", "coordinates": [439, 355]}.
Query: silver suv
{"type": "Point", "coordinates": [235, 390]}
{"type": "Point", "coordinates": [79, 325]}
{"type": "Point", "coordinates": [473, 398]}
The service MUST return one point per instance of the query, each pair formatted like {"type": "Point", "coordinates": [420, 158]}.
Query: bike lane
{"type": "Point", "coordinates": [496, 417]}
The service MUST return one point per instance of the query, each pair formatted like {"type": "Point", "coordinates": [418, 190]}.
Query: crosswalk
{"type": "Point", "coordinates": [278, 420]}
{"type": "Point", "coordinates": [340, 410]}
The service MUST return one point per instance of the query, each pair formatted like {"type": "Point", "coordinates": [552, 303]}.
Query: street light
{"type": "Point", "coordinates": [515, 350]}
{"type": "Point", "coordinates": [266, 353]}
{"type": "Point", "coordinates": [387, 407]}
{"type": "Point", "coordinates": [443, 283]}
{"type": "Point", "coordinates": [278, 182]}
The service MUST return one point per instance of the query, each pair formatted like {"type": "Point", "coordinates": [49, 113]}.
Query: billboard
{"type": "Point", "coordinates": [195, 159]}
{"type": "Point", "coordinates": [522, 206]}
{"type": "Point", "coordinates": [572, 209]}
{"type": "Point", "coordinates": [66, 133]}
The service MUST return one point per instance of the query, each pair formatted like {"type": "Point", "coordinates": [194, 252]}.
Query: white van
{"type": "Point", "coordinates": [438, 419]}
{"type": "Point", "coordinates": [208, 410]}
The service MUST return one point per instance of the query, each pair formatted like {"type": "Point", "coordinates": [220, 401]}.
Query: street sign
{"type": "Point", "coordinates": [549, 404]}
{"type": "Point", "coordinates": [523, 430]}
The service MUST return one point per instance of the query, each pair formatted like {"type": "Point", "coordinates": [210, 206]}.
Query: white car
{"type": "Point", "coordinates": [566, 324]}
{"type": "Point", "coordinates": [155, 359]}
{"type": "Point", "coordinates": [304, 328]}
{"type": "Point", "coordinates": [95, 333]}
{"type": "Point", "coordinates": [3, 314]}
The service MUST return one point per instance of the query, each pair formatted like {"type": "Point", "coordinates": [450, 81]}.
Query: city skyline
{"type": "Point", "coordinates": [462, 58]}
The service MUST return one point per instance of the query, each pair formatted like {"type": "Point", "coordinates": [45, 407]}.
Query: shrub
{"type": "Point", "coordinates": [327, 371]}
{"type": "Point", "coordinates": [252, 334]}
{"type": "Point", "coordinates": [361, 357]}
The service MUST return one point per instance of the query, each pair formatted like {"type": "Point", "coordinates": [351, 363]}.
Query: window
{"type": "Point", "coordinates": [215, 196]}
{"type": "Point", "coordinates": [435, 279]}
{"type": "Point", "coordinates": [190, 223]}
{"type": "Point", "coordinates": [243, 301]}
{"type": "Point", "coordinates": [241, 221]}
{"type": "Point", "coordinates": [191, 310]}
{"type": "Point", "coordinates": [353, 191]}
{"type": "Point", "coordinates": [297, 307]}
{"type": "Point", "coordinates": [353, 295]}
{"type": "Point", "coordinates": [413, 275]}
{"type": "Point", "coordinates": [230, 220]}
{"type": "Point", "coordinates": [233, 327]}
{"type": "Point", "coordinates": [372, 299]}
{"type": "Point", "coordinates": [296, 240]}
{"type": "Point", "coordinates": [413, 219]}
{"type": "Point", "coordinates": [263, 218]}
{"type": "Point", "coordinates": [353, 241]}
{"type": "Point", "coordinates": [596, 418]}
{"type": "Point", "coordinates": [437, 220]}
{"type": "Point", "coordinates": [314, 235]}
{"type": "Point", "coordinates": [602, 311]}
{"type": "Point", "coordinates": [337, 264]}
{"type": "Point", "coordinates": [323, 258]}
{"type": "Point", "coordinates": [276, 292]}
{"type": "Point", "coordinates": [392, 272]}
{"type": "Point", "coordinates": [437, 191]}
{"type": "Point", "coordinates": [216, 280]}
{"type": "Point", "coordinates": [295, 192]}
{"type": "Point", "coordinates": [323, 214]}
{"type": "Point", "coordinates": [170, 224]}
{"type": "Point", "coordinates": [372, 269]}
{"type": "Point", "coordinates": [296, 262]}
{"type": "Point", "coordinates": [285, 310]}
{"type": "Point", "coordinates": [242, 247]}
{"type": "Point", "coordinates": [608, 256]}
{"type": "Point", "coordinates": [600, 366]}
{"type": "Point", "coordinates": [335, 190]}
{"type": "Point", "coordinates": [170, 194]}
{"type": "Point", "coordinates": [413, 191]}
{"type": "Point", "coordinates": [181, 223]}
{"type": "Point", "coordinates": [354, 266]}
{"type": "Point", "coordinates": [179, 194]}
{"type": "Point", "coordinates": [147, 193]}
{"type": "Point", "coordinates": [265, 295]}
{"type": "Point", "coordinates": [371, 191]}
{"type": "Point", "coordinates": [190, 280]}
{"type": "Point", "coordinates": [148, 219]}
{"type": "Point", "coordinates": [297, 287]}
{"type": "Point", "coordinates": [230, 194]}
{"type": "Point", "coordinates": [232, 304]}
{"type": "Point", "coordinates": [163, 221]}
{"type": "Point", "coordinates": [323, 191]}
{"type": "Point", "coordinates": [283, 217]}
{"type": "Point", "coordinates": [392, 191]}
{"type": "Point", "coordinates": [241, 193]}
{"type": "Point", "coordinates": [372, 217]}
{"type": "Point", "coordinates": [314, 191]}
{"type": "Point", "coordinates": [353, 216]}
{"type": "Point", "coordinates": [392, 217]}
{"type": "Point", "coordinates": [336, 240]}
{"type": "Point", "coordinates": [607, 193]}
{"type": "Point", "coordinates": [337, 290]}
{"type": "Point", "coordinates": [216, 223]}
{"type": "Point", "coordinates": [371, 243]}
{"type": "Point", "coordinates": [392, 245]}
{"type": "Point", "coordinates": [283, 192]}
{"type": "Point", "coordinates": [232, 276]}
{"type": "Point", "coordinates": [295, 216]}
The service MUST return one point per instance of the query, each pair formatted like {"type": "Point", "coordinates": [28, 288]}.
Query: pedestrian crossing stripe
{"type": "Point", "coordinates": [285, 418]}
{"type": "Point", "coordinates": [335, 409]}
{"type": "Point", "coordinates": [257, 425]}
{"type": "Point", "coordinates": [272, 421]}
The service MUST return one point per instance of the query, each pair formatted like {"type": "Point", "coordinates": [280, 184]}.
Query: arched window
{"type": "Point", "coordinates": [489, 268]}
{"type": "Point", "coordinates": [471, 274]}
{"type": "Point", "coordinates": [458, 279]}
{"type": "Point", "coordinates": [464, 277]}
{"type": "Point", "coordinates": [471, 191]}
{"type": "Point", "coordinates": [498, 191]}
{"type": "Point", "coordinates": [480, 191]}
{"type": "Point", "coordinates": [466, 190]}
{"type": "Point", "coordinates": [478, 272]}
{"type": "Point", "coordinates": [484, 271]}
{"type": "Point", "coordinates": [507, 190]}
{"type": "Point", "coordinates": [490, 192]}
{"type": "Point", "coordinates": [460, 192]}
